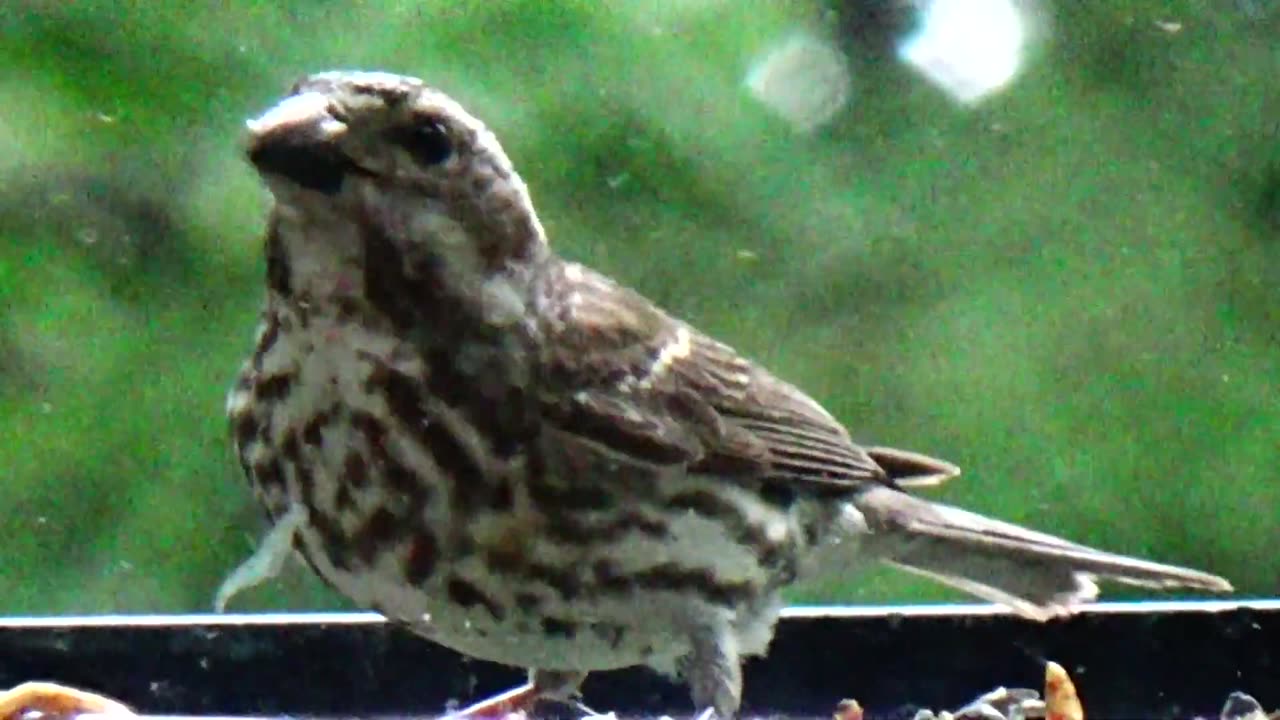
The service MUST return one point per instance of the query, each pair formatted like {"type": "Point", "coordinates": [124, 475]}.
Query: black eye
{"type": "Point", "coordinates": [427, 141]}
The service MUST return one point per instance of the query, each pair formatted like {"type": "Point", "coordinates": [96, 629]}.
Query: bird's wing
{"type": "Point", "coordinates": [617, 371]}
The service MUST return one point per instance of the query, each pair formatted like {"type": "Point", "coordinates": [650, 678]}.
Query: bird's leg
{"type": "Point", "coordinates": [714, 672]}
{"type": "Point", "coordinates": [561, 686]}
{"type": "Point", "coordinates": [543, 685]}
{"type": "Point", "coordinates": [58, 701]}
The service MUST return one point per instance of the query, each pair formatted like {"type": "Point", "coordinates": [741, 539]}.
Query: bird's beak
{"type": "Point", "coordinates": [298, 140]}
{"type": "Point", "coordinates": [306, 113]}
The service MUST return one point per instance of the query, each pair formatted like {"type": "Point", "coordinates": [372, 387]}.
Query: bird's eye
{"type": "Point", "coordinates": [427, 141]}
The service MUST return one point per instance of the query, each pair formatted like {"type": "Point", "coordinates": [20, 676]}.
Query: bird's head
{"type": "Point", "coordinates": [394, 157]}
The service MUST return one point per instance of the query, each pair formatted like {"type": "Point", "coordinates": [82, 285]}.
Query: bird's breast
{"type": "Point", "coordinates": [434, 497]}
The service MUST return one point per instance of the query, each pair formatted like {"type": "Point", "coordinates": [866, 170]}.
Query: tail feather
{"type": "Point", "coordinates": [912, 470]}
{"type": "Point", "coordinates": [1034, 573]}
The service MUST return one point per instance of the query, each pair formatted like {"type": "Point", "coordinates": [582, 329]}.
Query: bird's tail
{"type": "Point", "coordinates": [1037, 575]}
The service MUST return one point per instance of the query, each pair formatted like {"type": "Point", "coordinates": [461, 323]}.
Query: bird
{"type": "Point", "coordinates": [522, 459]}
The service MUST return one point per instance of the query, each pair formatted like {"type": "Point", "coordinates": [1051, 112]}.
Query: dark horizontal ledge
{"type": "Point", "coordinates": [1129, 660]}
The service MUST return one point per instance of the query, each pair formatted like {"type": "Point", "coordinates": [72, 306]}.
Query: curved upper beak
{"type": "Point", "coordinates": [298, 140]}
{"type": "Point", "coordinates": [306, 114]}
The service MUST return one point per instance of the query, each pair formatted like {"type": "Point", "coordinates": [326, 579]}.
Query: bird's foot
{"type": "Point", "coordinates": [707, 714]}
{"type": "Point", "coordinates": [553, 685]}
{"type": "Point", "coordinates": [516, 701]}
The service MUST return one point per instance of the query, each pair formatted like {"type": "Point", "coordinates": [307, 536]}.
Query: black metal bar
{"type": "Point", "coordinates": [1141, 660]}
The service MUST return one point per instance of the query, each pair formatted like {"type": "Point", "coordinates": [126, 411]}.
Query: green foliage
{"type": "Point", "coordinates": [1072, 290]}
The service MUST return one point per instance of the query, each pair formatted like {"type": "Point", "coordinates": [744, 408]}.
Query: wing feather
{"type": "Point", "coordinates": [619, 372]}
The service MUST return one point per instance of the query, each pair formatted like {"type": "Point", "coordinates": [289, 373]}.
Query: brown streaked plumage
{"type": "Point", "coordinates": [519, 458]}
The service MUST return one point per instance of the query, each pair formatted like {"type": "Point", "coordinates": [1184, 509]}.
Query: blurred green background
{"type": "Point", "coordinates": [1071, 290]}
